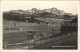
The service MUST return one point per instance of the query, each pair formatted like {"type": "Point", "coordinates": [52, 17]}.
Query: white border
{"type": "Point", "coordinates": [1, 37]}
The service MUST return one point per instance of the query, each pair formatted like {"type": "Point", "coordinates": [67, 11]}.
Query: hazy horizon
{"type": "Point", "coordinates": [66, 6]}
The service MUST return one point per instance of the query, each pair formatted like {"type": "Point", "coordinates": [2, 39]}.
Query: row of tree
{"type": "Point", "coordinates": [37, 11]}
{"type": "Point", "coordinates": [20, 15]}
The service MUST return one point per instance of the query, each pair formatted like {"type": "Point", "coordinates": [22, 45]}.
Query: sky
{"type": "Point", "coordinates": [66, 6]}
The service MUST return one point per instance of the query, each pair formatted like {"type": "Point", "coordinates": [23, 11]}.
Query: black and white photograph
{"type": "Point", "coordinates": [40, 25]}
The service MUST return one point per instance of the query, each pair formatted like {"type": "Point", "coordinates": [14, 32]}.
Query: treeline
{"type": "Point", "coordinates": [22, 17]}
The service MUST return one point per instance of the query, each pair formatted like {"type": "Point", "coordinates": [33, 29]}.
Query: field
{"type": "Point", "coordinates": [25, 35]}
{"type": "Point", "coordinates": [19, 40]}
{"type": "Point", "coordinates": [16, 25]}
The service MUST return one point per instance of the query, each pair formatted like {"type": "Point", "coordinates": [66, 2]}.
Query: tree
{"type": "Point", "coordinates": [34, 10]}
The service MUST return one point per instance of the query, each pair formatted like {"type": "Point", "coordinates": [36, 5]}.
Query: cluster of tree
{"type": "Point", "coordinates": [20, 15]}
{"type": "Point", "coordinates": [71, 26]}
{"type": "Point", "coordinates": [37, 11]}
